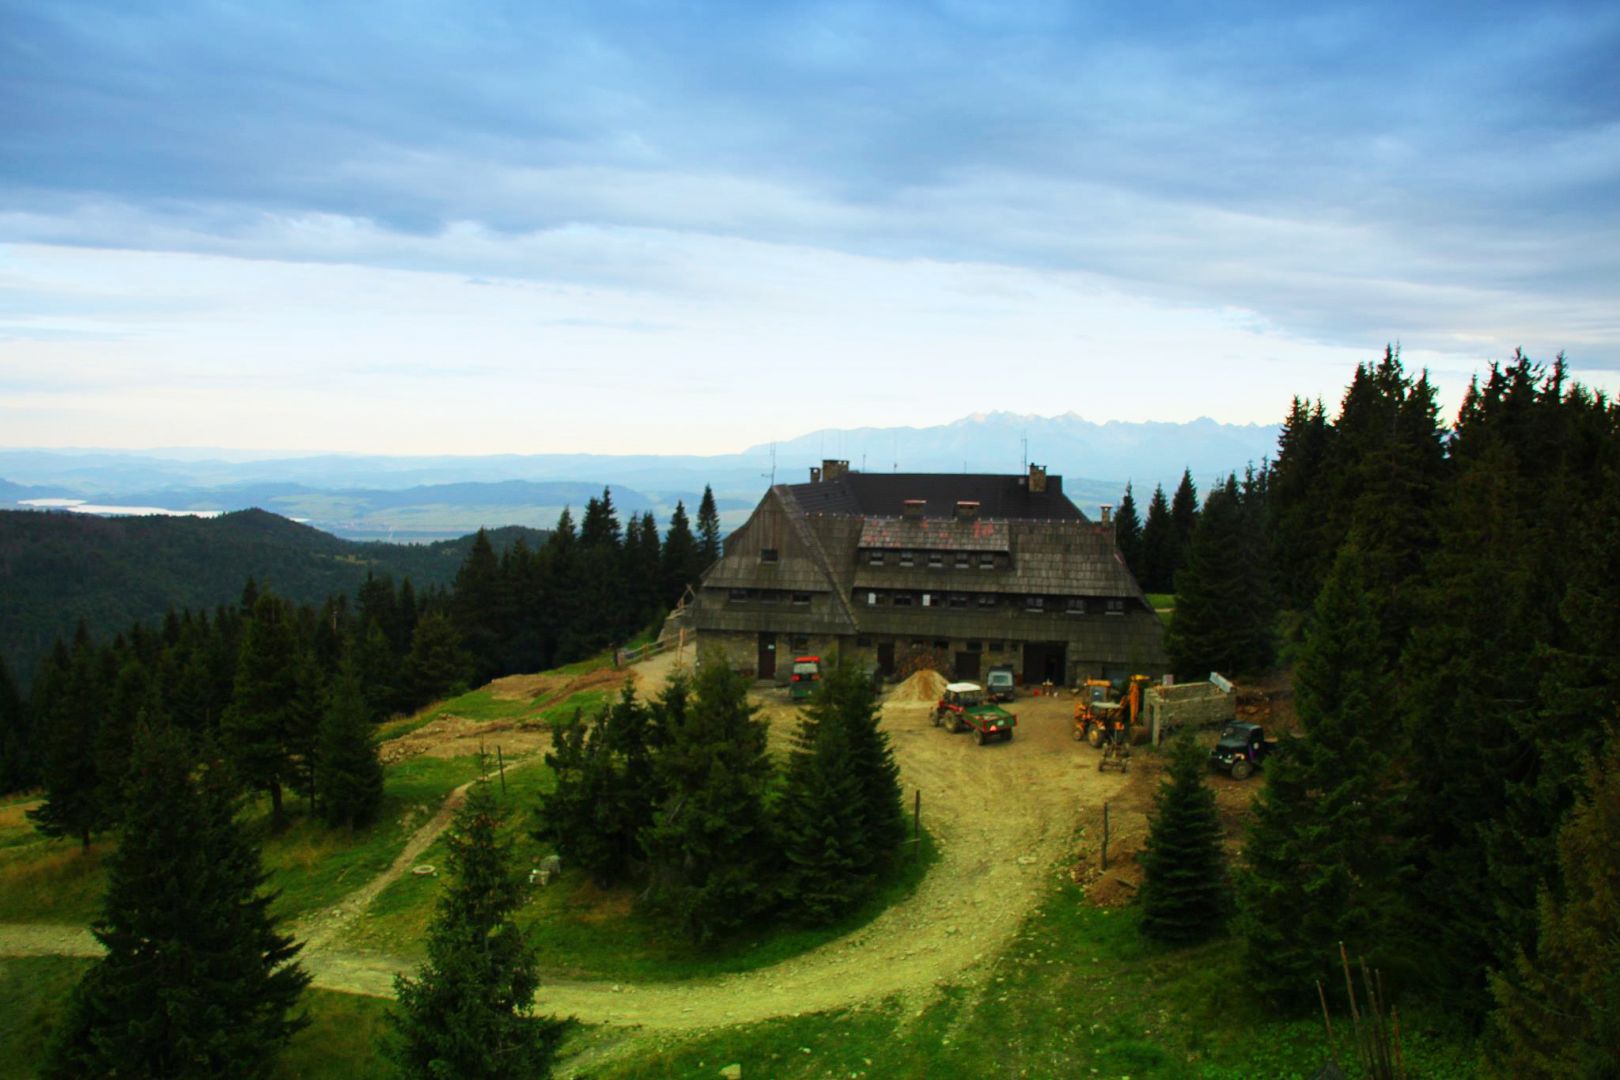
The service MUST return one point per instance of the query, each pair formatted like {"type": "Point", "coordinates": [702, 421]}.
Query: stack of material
{"type": "Point", "coordinates": [925, 685]}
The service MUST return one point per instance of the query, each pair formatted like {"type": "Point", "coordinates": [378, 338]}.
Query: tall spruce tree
{"type": "Point", "coordinates": [469, 1009]}
{"type": "Point", "coordinates": [1183, 521]}
{"type": "Point", "coordinates": [1128, 533]}
{"type": "Point", "coordinates": [266, 702]}
{"type": "Point", "coordinates": [709, 849]}
{"type": "Point", "coordinates": [1158, 546]}
{"type": "Point", "coordinates": [67, 702]}
{"type": "Point", "coordinates": [1186, 896]}
{"type": "Point", "coordinates": [1558, 1006]}
{"type": "Point", "coordinates": [1323, 855]}
{"type": "Point", "coordinates": [348, 775]}
{"type": "Point", "coordinates": [437, 664]}
{"type": "Point", "coordinates": [1225, 617]}
{"type": "Point", "coordinates": [1299, 504]}
{"type": "Point", "coordinates": [17, 770]}
{"type": "Point", "coordinates": [479, 609]}
{"type": "Point", "coordinates": [682, 562]}
{"type": "Point", "coordinates": [196, 980]}
{"type": "Point", "coordinates": [708, 530]}
{"type": "Point", "coordinates": [822, 831]}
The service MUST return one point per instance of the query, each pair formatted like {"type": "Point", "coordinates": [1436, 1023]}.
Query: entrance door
{"type": "Point", "coordinates": [1043, 662]}
{"type": "Point", "coordinates": [767, 656]}
{"type": "Point", "coordinates": [885, 653]}
{"type": "Point", "coordinates": [967, 666]}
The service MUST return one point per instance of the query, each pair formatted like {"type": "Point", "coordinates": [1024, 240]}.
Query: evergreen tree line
{"type": "Point", "coordinates": [1449, 809]}
{"type": "Point", "coordinates": [678, 795]}
{"type": "Point", "coordinates": [1156, 548]}
{"type": "Point", "coordinates": [261, 679]}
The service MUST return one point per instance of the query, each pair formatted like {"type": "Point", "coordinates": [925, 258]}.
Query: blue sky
{"type": "Point", "coordinates": [471, 227]}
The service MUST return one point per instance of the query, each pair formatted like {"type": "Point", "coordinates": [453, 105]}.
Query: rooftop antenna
{"type": "Point", "coordinates": [897, 453]}
{"type": "Point", "coordinates": [863, 462]}
{"type": "Point", "coordinates": [772, 473]}
{"type": "Point", "coordinates": [1026, 453]}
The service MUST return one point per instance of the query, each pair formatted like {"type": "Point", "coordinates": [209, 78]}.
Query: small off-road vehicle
{"type": "Point", "coordinates": [999, 683]}
{"type": "Point", "coordinates": [1241, 749]}
{"type": "Point", "coordinates": [963, 708]}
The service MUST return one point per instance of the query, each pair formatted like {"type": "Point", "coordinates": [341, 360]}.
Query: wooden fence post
{"type": "Point", "coordinates": [1105, 837]}
{"type": "Point", "coordinates": [502, 762]}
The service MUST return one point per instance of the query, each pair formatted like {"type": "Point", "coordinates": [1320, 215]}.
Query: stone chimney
{"type": "Point", "coordinates": [832, 468]}
{"type": "Point", "coordinates": [913, 509]}
{"type": "Point", "coordinates": [1107, 515]}
{"type": "Point", "coordinates": [815, 475]}
{"type": "Point", "coordinates": [967, 510]}
{"type": "Point", "coordinates": [1037, 479]}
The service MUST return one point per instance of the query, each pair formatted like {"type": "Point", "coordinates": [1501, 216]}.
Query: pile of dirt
{"type": "Point", "coordinates": [524, 687]}
{"type": "Point", "coordinates": [924, 686]}
{"type": "Point", "coordinates": [456, 736]}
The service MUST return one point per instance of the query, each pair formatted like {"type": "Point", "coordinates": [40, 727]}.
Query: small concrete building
{"type": "Point", "coordinates": [974, 569]}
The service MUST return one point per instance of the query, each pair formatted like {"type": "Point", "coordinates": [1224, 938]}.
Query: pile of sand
{"type": "Point", "coordinates": [924, 686]}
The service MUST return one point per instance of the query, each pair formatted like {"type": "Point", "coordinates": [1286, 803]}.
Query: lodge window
{"type": "Point", "coordinates": [871, 599]}
{"type": "Point", "coordinates": [907, 558]}
{"type": "Point", "coordinates": [926, 598]}
{"type": "Point", "coordinates": [801, 598]}
{"type": "Point", "coordinates": [975, 646]}
{"type": "Point", "coordinates": [936, 558]}
{"type": "Point", "coordinates": [799, 644]}
{"type": "Point", "coordinates": [738, 596]}
{"type": "Point", "coordinates": [1034, 603]}
{"type": "Point", "coordinates": [1116, 607]}
{"type": "Point", "coordinates": [767, 554]}
{"type": "Point", "coordinates": [875, 558]}
{"type": "Point", "coordinates": [987, 561]}
{"type": "Point", "coordinates": [1076, 605]}
{"type": "Point", "coordinates": [902, 599]}
{"type": "Point", "coordinates": [987, 599]}
{"type": "Point", "coordinates": [998, 646]}
{"type": "Point", "coordinates": [942, 646]}
{"type": "Point", "coordinates": [962, 561]}
{"type": "Point", "coordinates": [769, 596]}
{"type": "Point", "coordinates": [863, 642]}
{"type": "Point", "coordinates": [959, 599]}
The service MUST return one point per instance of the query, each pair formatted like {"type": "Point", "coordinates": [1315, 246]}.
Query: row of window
{"type": "Point", "coordinates": [769, 596]}
{"type": "Point", "coordinates": [1072, 605]}
{"type": "Point", "coordinates": [938, 560]}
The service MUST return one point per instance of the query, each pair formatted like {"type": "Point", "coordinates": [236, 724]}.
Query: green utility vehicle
{"type": "Point", "coordinates": [806, 674]}
{"type": "Point", "coordinates": [963, 708]}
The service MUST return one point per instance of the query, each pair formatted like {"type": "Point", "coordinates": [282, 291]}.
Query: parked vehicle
{"type": "Point", "coordinates": [1241, 749]}
{"type": "Point", "coordinates": [963, 708]}
{"type": "Point", "coordinates": [806, 673]}
{"type": "Point", "coordinates": [999, 684]}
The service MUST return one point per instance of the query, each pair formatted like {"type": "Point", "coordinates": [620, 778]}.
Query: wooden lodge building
{"type": "Point", "coordinates": [977, 569]}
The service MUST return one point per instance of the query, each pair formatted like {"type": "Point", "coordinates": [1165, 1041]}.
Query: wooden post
{"type": "Point", "coordinates": [501, 761]}
{"type": "Point", "coordinates": [1105, 837]}
{"type": "Point", "coordinates": [916, 826]}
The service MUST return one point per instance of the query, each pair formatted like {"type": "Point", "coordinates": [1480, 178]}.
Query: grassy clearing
{"type": "Point", "coordinates": [1160, 601]}
{"type": "Point", "coordinates": [585, 932]}
{"type": "Point", "coordinates": [33, 993]}
{"type": "Point", "coordinates": [46, 880]}
{"type": "Point", "coordinates": [1079, 993]}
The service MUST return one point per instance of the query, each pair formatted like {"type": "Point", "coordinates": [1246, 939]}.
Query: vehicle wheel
{"type": "Point", "coordinates": [1094, 735]}
{"type": "Point", "coordinates": [1009, 735]}
{"type": "Point", "coordinates": [961, 726]}
{"type": "Point", "coordinates": [935, 718]}
{"type": "Point", "coordinates": [1241, 769]}
{"type": "Point", "coordinates": [1079, 736]}
{"type": "Point", "coordinates": [978, 737]}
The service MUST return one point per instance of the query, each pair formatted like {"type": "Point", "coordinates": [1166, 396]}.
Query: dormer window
{"type": "Point", "coordinates": [936, 558]}
{"type": "Point", "coordinates": [908, 558]}
{"type": "Point", "coordinates": [1076, 605]}
{"type": "Point", "coordinates": [767, 555]}
{"type": "Point", "coordinates": [962, 560]}
{"type": "Point", "coordinates": [987, 561]}
{"type": "Point", "coordinates": [1034, 603]}
{"type": "Point", "coordinates": [1116, 607]}
{"type": "Point", "coordinates": [875, 558]}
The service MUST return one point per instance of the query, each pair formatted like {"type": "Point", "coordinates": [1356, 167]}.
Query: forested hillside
{"type": "Point", "coordinates": [58, 569]}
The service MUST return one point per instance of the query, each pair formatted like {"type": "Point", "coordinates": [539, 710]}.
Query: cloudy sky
{"type": "Point", "coordinates": [471, 227]}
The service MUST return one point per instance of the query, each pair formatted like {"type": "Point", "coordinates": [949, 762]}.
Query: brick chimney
{"type": "Point", "coordinates": [815, 475]}
{"type": "Point", "coordinates": [1107, 515]}
{"type": "Point", "coordinates": [1037, 479]}
{"type": "Point", "coordinates": [967, 510]}
{"type": "Point", "coordinates": [912, 509]}
{"type": "Point", "coordinates": [833, 468]}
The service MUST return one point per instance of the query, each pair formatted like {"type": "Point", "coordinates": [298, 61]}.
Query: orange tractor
{"type": "Point", "coordinates": [1098, 717]}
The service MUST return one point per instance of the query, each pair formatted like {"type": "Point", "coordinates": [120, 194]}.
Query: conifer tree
{"type": "Point", "coordinates": [852, 698]}
{"type": "Point", "coordinates": [468, 1010]}
{"type": "Point", "coordinates": [708, 530]}
{"type": "Point", "coordinates": [1185, 893]}
{"type": "Point", "coordinates": [478, 608]}
{"type": "Point", "coordinates": [1558, 1008]}
{"type": "Point", "coordinates": [1225, 618]}
{"type": "Point", "coordinates": [264, 702]}
{"type": "Point", "coordinates": [1183, 521]}
{"type": "Point", "coordinates": [709, 849]}
{"type": "Point", "coordinates": [1299, 503]}
{"type": "Point", "coordinates": [1322, 853]}
{"type": "Point", "coordinates": [68, 701]}
{"type": "Point", "coordinates": [437, 666]}
{"type": "Point", "coordinates": [1128, 533]}
{"type": "Point", "coordinates": [17, 769]}
{"type": "Point", "coordinates": [822, 831]}
{"type": "Point", "coordinates": [1158, 546]}
{"type": "Point", "coordinates": [196, 980]}
{"type": "Point", "coordinates": [378, 671]}
{"type": "Point", "coordinates": [682, 561]}
{"type": "Point", "coordinates": [348, 775]}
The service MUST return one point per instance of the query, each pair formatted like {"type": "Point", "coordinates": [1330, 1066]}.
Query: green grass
{"type": "Point", "coordinates": [1079, 993]}
{"type": "Point", "coordinates": [1161, 600]}
{"type": "Point", "coordinates": [582, 931]}
{"type": "Point", "coordinates": [313, 867]}
{"type": "Point", "coordinates": [46, 880]}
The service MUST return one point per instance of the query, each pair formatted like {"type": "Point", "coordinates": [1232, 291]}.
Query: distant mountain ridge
{"type": "Point", "coordinates": [59, 568]}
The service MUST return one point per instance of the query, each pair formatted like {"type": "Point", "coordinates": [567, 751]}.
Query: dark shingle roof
{"type": "Point", "coordinates": [885, 495]}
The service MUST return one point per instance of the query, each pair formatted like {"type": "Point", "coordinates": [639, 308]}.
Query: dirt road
{"type": "Point", "coordinates": [1004, 817]}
